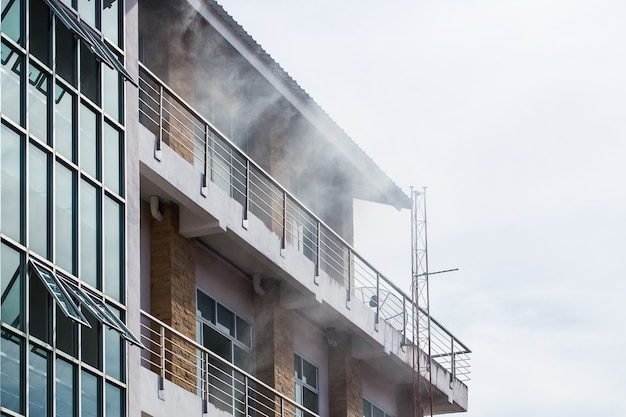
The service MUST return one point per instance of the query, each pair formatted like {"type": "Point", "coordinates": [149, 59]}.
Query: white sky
{"type": "Point", "coordinates": [513, 114]}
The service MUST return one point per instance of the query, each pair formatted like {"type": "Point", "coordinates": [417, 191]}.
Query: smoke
{"type": "Point", "coordinates": [300, 147]}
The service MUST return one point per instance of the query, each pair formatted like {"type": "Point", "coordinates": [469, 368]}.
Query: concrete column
{"type": "Point", "coordinates": [344, 380]}
{"type": "Point", "coordinates": [173, 293]}
{"type": "Point", "coordinates": [273, 342]}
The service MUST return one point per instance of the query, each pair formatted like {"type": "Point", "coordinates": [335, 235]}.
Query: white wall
{"type": "Point", "coordinates": [379, 390]}
{"type": "Point", "coordinates": [225, 284]}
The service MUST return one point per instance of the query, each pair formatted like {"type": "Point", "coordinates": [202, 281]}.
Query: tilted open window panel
{"type": "Point", "coordinates": [89, 36]}
{"type": "Point", "coordinates": [69, 296]}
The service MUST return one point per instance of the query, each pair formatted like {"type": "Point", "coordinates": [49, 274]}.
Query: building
{"type": "Point", "coordinates": [176, 229]}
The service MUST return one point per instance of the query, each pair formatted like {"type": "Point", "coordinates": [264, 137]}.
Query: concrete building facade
{"type": "Point", "coordinates": [176, 225]}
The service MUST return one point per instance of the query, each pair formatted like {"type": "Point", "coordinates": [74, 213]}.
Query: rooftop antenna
{"type": "Point", "coordinates": [422, 358]}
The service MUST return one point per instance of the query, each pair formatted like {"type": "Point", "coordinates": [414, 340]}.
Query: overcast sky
{"type": "Point", "coordinates": [513, 113]}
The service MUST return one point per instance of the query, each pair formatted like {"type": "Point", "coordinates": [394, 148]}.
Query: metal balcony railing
{"type": "Point", "coordinates": [177, 125]}
{"type": "Point", "coordinates": [220, 384]}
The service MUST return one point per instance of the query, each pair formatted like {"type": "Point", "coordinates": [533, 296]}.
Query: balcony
{"type": "Point", "coordinates": [223, 388]}
{"type": "Point", "coordinates": [221, 163]}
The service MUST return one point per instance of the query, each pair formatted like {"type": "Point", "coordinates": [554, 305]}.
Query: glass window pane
{"type": "Point", "coordinates": [37, 381]}
{"type": "Point", "coordinates": [309, 373]}
{"type": "Point", "coordinates": [112, 157]}
{"type": "Point", "coordinates": [89, 234]}
{"type": "Point", "coordinates": [89, 394]}
{"type": "Point", "coordinates": [65, 382]}
{"type": "Point", "coordinates": [217, 343]}
{"type": "Point", "coordinates": [38, 30]}
{"type": "Point", "coordinates": [110, 20]}
{"type": "Point", "coordinates": [89, 74]}
{"type": "Point", "coordinates": [111, 92]}
{"type": "Point", "coordinates": [113, 353]}
{"type": "Point", "coordinates": [11, 19]}
{"type": "Point", "coordinates": [38, 195]}
{"type": "Point", "coordinates": [243, 332]}
{"type": "Point", "coordinates": [11, 181]}
{"type": "Point", "coordinates": [10, 75]}
{"type": "Point", "coordinates": [11, 372]}
{"type": "Point", "coordinates": [88, 141]}
{"type": "Point", "coordinates": [114, 401]}
{"type": "Point", "coordinates": [309, 399]}
{"type": "Point", "coordinates": [242, 359]}
{"type": "Point", "coordinates": [367, 408]}
{"type": "Point", "coordinates": [90, 344]}
{"type": "Point", "coordinates": [297, 365]}
{"type": "Point", "coordinates": [65, 216]}
{"type": "Point", "coordinates": [112, 228]}
{"type": "Point", "coordinates": [66, 332]}
{"type": "Point", "coordinates": [377, 412]}
{"type": "Point", "coordinates": [64, 137]}
{"type": "Point", "coordinates": [225, 320]}
{"type": "Point", "coordinates": [11, 286]}
{"type": "Point", "coordinates": [87, 11]}
{"type": "Point", "coordinates": [38, 103]}
{"type": "Point", "coordinates": [65, 53]}
{"type": "Point", "coordinates": [206, 306]}
{"type": "Point", "coordinates": [39, 305]}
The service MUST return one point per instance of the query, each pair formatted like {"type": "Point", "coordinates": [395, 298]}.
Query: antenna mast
{"type": "Point", "coordinates": [422, 382]}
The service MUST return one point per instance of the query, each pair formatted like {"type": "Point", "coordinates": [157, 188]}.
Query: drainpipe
{"type": "Point", "coordinates": [154, 208]}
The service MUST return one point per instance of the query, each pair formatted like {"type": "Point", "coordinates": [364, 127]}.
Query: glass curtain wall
{"type": "Point", "coordinates": [62, 205]}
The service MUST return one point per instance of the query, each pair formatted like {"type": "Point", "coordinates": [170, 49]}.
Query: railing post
{"type": "Point", "coordinates": [159, 147]}
{"type": "Point", "coordinates": [377, 318]}
{"type": "Point", "coordinates": [404, 321]}
{"type": "Point", "coordinates": [205, 179]}
{"type": "Point", "coordinates": [205, 382]}
{"type": "Point", "coordinates": [283, 239]}
{"type": "Point", "coordinates": [282, 407]}
{"type": "Point", "coordinates": [245, 396]}
{"type": "Point", "coordinates": [349, 290]}
{"type": "Point", "coordinates": [452, 362]}
{"type": "Point", "coordinates": [246, 203]}
{"type": "Point", "coordinates": [318, 245]}
{"type": "Point", "coordinates": [161, 382]}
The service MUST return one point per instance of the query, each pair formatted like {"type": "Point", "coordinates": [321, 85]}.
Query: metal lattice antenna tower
{"type": "Point", "coordinates": [422, 383]}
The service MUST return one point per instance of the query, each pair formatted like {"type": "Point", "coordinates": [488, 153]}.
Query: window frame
{"type": "Point", "coordinates": [298, 382]}
{"type": "Point", "coordinates": [373, 405]}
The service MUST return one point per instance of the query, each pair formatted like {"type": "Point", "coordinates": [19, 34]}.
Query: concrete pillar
{"type": "Point", "coordinates": [344, 380]}
{"type": "Point", "coordinates": [273, 342]}
{"type": "Point", "coordinates": [173, 293]}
